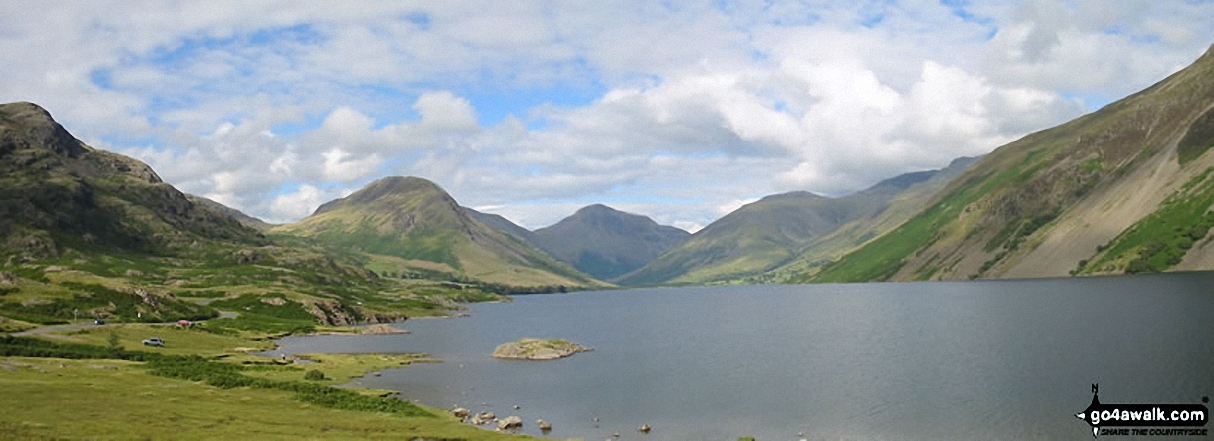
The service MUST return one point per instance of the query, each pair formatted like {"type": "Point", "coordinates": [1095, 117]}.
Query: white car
{"type": "Point", "coordinates": [154, 341]}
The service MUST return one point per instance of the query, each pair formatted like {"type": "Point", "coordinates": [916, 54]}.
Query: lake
{"type": "Point", "coordinates": [934, 360]}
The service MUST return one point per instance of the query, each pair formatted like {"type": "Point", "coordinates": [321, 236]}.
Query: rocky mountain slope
{"type": "Point", "coordinates": [244, 219]}
{"type": "Point", "coordinates": [1127, 188]}
{"type": "Point", "coordinates": [57, 192]}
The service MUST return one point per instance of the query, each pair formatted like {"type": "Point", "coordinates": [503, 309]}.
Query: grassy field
{"type": "Point", "coordinates": [48, 398]}
{"type": "Point", "coordinates": [178, 341]}
{"type": "Point", "coordinates": [336, 368]}
{"type": "Point", "coordinates": [99, 391]}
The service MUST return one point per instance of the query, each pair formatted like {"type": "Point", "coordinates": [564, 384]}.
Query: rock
{"type": "Point", "coordinates": [544, 425]}
{"type": "Point", "coordinates": [460, 412]}
{"type": "Point", "coordinates": [476, 420]}
{"type": "Point", "coordinates": [510, 422]}
{"type": "Point", "coordinates": [134, 273]}
{"type": "Point", "coordinates": [487, 416]}
{"type": "Point", "coordinates": [7, 278]}
{"type": "Point", "coordinates": [645, 428]}
{"type": "Point", "coordinates": [330, 312]}
{"type": "Point", "coordinates": [536, 349]}
{"type": "Point", "coordinates": [246, 256]}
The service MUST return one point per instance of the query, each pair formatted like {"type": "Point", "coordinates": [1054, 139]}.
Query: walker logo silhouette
{"type": "Point", "coordinates": [1145, 419]}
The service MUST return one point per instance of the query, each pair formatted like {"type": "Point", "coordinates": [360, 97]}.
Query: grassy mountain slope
{"type": "Point", "coordinates": [774, 231]}
{"type": "Point", "coordinates": [852, 235]}
{"type": "Point", "coordinates": [502, 224]}
{"type": "Point", "coordinates": [408, 224]}
{"type": "Point", "coordinates": [1091, 196]}
{"type": "Point", "coordinates": [605, 242]}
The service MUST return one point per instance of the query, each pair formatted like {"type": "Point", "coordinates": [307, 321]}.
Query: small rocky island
{"type": "Point", "coordinates": [537, 349]}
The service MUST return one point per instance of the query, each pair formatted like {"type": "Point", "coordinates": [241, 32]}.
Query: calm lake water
{"type": "Point", "coordinates": [940, 360]}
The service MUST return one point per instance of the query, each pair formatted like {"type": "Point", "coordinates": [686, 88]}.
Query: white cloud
{"type": "Point", "coordinates": [295, 205]}
{"type": "Point", "coordinates": [337, 166]}
{"type": "Point", "coordinates": [443, 111]}
{"type": "Point", "coordinates": [701, 105]}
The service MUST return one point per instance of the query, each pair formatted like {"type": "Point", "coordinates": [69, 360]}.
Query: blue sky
{"type": "Point", "coordinates": [679, 110]}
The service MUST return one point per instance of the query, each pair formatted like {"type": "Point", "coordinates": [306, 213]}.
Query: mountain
{"type": "Point", "coordinates": [57, 193]}
{"type": "Point", "coordinates": [778, 229]}
{"type": "Point", "coordinates": [409, 224]}
{"type": "Point", "coordinates": [1126, 189]}
{"type": "Point", "coordinates": [605, 242]}
{"type": "Point", "coordinates": [244, 219]}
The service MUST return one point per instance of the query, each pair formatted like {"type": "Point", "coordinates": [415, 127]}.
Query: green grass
{"type": "Point", "coordinates": [428, 245]}
{"type": "Point", "coordinates": [336, 368]}
{"type": "Point", "coordinates": [1160, 240]}
{"type": "Point", "coordinates": [113, 399]}
{"type": "Point", "coordinates": [10, 325]}
{"type": "Point", "coordinates": [179, 341]}
{"type": "Point", "coordinates": [57, 389]}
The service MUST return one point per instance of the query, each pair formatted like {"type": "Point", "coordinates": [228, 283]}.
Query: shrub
{"type": "Point", "coordinates": [314, 375]}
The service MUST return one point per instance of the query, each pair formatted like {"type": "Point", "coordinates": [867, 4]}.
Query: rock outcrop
{"type": "Point", "coordinates": [537, 349]}
{"type": "Point", "coordinates": [510, 422]}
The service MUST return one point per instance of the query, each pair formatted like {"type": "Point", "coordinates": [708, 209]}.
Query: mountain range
{"type": "Point", "coordinates": [1126, 189]}
{"type": "Point", "coordinates": [783, 229]}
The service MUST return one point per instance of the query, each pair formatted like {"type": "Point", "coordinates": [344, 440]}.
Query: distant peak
{"type": "Point", "coordinates": [596, 208]}
{"type": "Point", "coordinates": [39, 127]}
{"type": "Point", "coordinates": [388, 187]}
{"type": "Point", "coordinates": [792, 195]}
{"type": "Point", "coordinates": [403, 182]}
{"type": "Point", "coordinates": [25, 111]}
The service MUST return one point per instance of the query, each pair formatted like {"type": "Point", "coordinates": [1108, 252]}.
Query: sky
{"type": "Point", "coordinates": [679, 110]}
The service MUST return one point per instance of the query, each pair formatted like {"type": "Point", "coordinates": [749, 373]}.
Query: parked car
{"type": "Point", "coordinates": [154, 341]}
{"type": "Point", "coordinates": [98, 322]}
